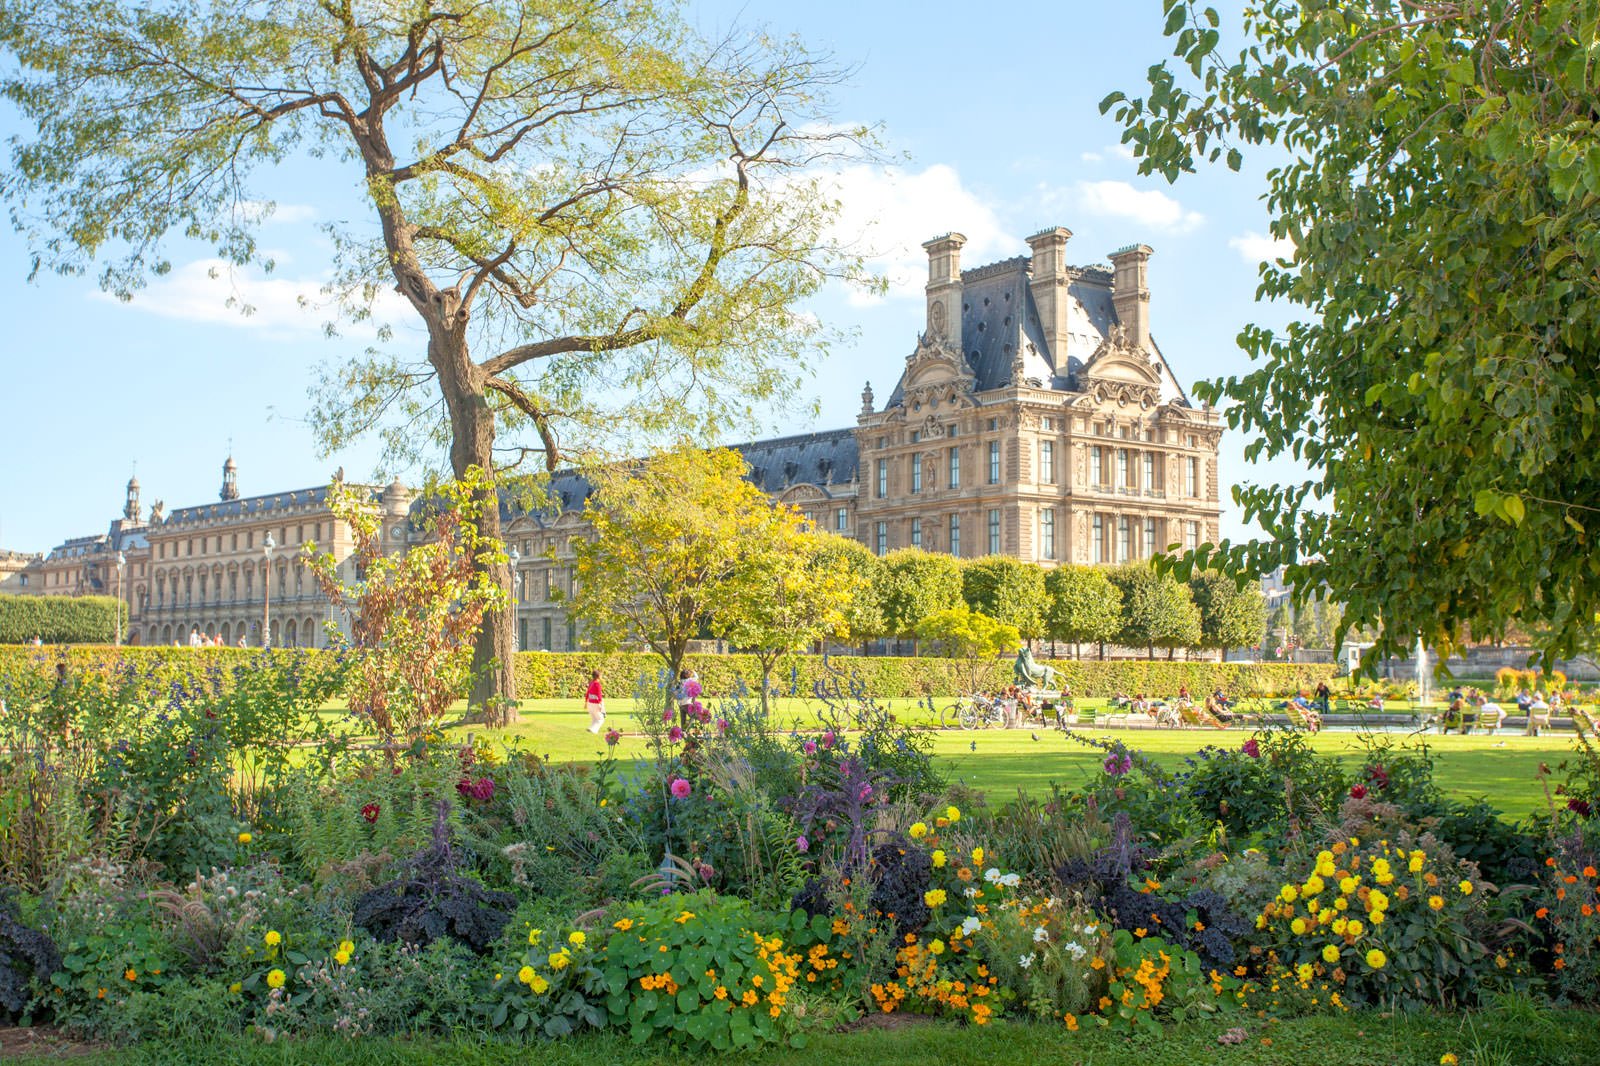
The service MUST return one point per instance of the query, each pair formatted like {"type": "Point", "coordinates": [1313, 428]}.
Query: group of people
{"type": "Point", "coordinates": [686, 694]}
{"type": "Point", "coordinates": [1217, 707]}
{"type": "Point", "coordinates": [1473, 708]}
{"type": "Point", "coordinates": [198, 639]}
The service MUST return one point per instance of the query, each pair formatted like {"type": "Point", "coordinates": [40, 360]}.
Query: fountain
{"type": "Point", "coordinates": [1423, 675]}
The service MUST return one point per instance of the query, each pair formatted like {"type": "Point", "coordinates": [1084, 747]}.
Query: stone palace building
{"type": "Point", "coordinates": [1034, 417]}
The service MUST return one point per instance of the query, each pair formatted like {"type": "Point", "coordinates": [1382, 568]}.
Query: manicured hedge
{"type": "Point", "coordinates": [59, 619]}
{"type": "Point", "coordinates": [560, 675]}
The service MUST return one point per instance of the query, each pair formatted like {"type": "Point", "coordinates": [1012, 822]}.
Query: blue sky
{"type": "Point", "coordinates": [992, 109]}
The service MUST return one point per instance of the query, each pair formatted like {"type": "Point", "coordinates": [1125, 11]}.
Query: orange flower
{"type": "Point", "coordinates": [1542, 912]}
{"type": "Point", "coordinates": [1588, 871]}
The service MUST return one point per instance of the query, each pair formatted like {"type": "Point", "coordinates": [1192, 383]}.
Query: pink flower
{"type": "Point", "coordinates": [722, 725]}
{"type": "Point", "coordinates": [680, 788]}
{"type": "Point", "coordinates": [801, 843]}
{"type": "Point", "coordinates": [1252, 748]}
{"type": "Point", "coordinates": [668, 715]}
{"type": "Point", "coordinates": [810, 747]}
{"type": "Point", "coordinates": [674, 734]}
{"type": "Point", "coordinates": [828, 739]}
{"type": "Point", "coordinates": [612, 737]}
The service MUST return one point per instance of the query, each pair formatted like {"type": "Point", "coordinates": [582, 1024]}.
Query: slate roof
{"type": "Point", "coordinates": [249, 505]}
{"type": "Point", "coordinates": [999, 318]}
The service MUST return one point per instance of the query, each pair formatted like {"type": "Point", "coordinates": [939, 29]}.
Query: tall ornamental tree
{"type": "Point", "coordinates": [1157, 610]}
{"type": "Point", "coordinates": [1083, 606]}
{"type": "Point", "coordinates": [789, 593]}
{"type": "Point", "coordinates": [672, 538]}
{"type": "Point", "coordinates": [1231, 615]}
{"type": "Point", "coordinates": [599, 217]}
{"type": "Point", "coordinates": [863, 615]}
{"type": "Point", "coordinates": [1435, 176]}
{"type": "Point", "coordinates": [1007, 590]}
{"type": "Point", "coordinates": [962, 633]}
{"type": "Point", "coordinates": [915, 584]}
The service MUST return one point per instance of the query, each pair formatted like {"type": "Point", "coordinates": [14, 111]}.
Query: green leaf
{"type": "Point", "coordinates": [1514, 511]}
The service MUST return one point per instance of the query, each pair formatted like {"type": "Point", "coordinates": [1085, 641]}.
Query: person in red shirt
{"type": "Point", "coordinates": [595, 700]}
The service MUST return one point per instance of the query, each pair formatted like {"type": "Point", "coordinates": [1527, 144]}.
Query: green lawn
{"type": "Point", "coordinates": [1501, 767]}
{"type": "Point", "coordinates": [1523, 1036]}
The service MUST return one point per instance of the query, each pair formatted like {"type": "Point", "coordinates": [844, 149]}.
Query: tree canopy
{"type": "Point", "coordinates": [600, 217]}
{"type": "Point", "coordinates": [1007, 590]}
{"type": "Point", "coordinates": [1157, 610]}
{"type": "Point", "coordinates": [962, 633]}
{"type": "Point", "coordinates": [1434, 168]}
{"type": "Point", "coordinates": [1083, 605]}
{"type": "Point", "coordinates": [1231, 615]}
{"type": "Point", "coordinates": [915, 584]}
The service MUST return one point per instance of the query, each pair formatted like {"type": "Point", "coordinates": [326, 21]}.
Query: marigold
{"type": "Point", "coordinates": [130, 974]}
{"type": "Point", "coordinates": [1589, 871]}
{"type": "Point", "coordinates": [977, 856]}
{"type": "Point", "coordinates": [525, 975]}
{"type": "Point", "coordinates": [919, 830]}
{"type": "Point", "coordinates": [953, 814]}
{"type": "Point", "coordinates": [275, 978]}
{"type": "Point", "coordinates": [938, 858]}
{"type": "Point", "coordinates": [273, 938]}
{"type": "Point", "coordinates": [245, 838]}
{"type": "Point", "coordinates": [1465, 887]}
{"type": "Point", "coordinates": [1330, 954]}
{"type": "Point", "coordinates": [1448, 1059]}
{"type": "Point", "coordinates": [1377, 959]}
{"type": "Point", "coordinates": [534, 935]}
{"type": "Point", "coordinates": [577, 938]}
{"type": "Point", "coordinates": [559, 960]}
{"type": "Point", "coordinates": [1354, 927]}
{"type": "Point", "coordinates": [539, 985]}
{"type": "Point", "coordinates": [934, 897]}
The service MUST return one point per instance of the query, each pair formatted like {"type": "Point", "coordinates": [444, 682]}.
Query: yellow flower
{"type": "Point", "coordinates": [1330, 954]}
{"type": "Point", "coordinates": [936, 948]}
{"type": "Point", "coordinates": [130, 974]}
{"type": "Point", "coordinates": [342, 957]}
{"type": "Point", "coordinates": [1415, 865]}
{"type": "Point", "coordinates": [1289, 894]}
{"type": "Point", "coordinates": [1341, 904]}
{"type": "Point", "coordinates": [273, 938]}
{"type": "Point", "coordinates": [953, 814]}
{"type": "Point", "coordinates": [525, 975]}
{"type": "Point", "coordinates": [977, 856]}
{"type": "Point", "coordinates": [1465, 887]}
{"type": "Point", "coordinates": [539, 985]}
{"type": "Point", "coordinates": [1436, 902]}
{"type": "Point", "coordinates": [1298, 927]}
{"type": "Point", "coordinates": [938, 859]}
{"type": "Point", "coordinates": [1377, 917]}
{"type": "Point", "coordinates": [1354, 927]}
{"type": "Point", "coordinates": [1377, 959]}
{"type": "Point", "coordinates": [1348, 885]}
{"type": "Point", "coordinates": [934, 897]}
{"type": "Point", "coordinates": [236, 988]}
{"type": "Point", "coordinates": [1312, 886]}
{"type": "Point", "coordinates": [559, 960]}
{"type": "Point", "coordinates": [1377, 901]}
{"type": "Point", "coordinates": [275, 978]}
{"type": "Point", "coordinates": [1448, 1059]}
{"type": "Point", "coordinates": [577, 938]}
{"type": "Point", "coordinates": [245, 838]}
{"type": "Point", "coordinates": [919, 830]}
{"type": "Point", "coordinates": [533, 937]}
{"type": "Point", "coordinates": [1304, 972]}
{"type": "Point", "coordinates": [346, 947]}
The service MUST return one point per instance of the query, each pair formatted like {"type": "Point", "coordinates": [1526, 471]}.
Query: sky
{"type": "Point", "coordinates": [991, 127]}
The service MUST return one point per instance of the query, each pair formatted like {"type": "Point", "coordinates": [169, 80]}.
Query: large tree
{"type": "Point", "coordinates": [790, 593]}
{"type": "Point", "coordinates": [674, 538]}
{"type": "Point", "coordinates": [1434, 170]}
{"type": "Point", "coordinates": [1232, 615]}
{"type": "Point", "coordinates": [863, 615]}
{"type": "Point", "coordinates": [915, 584]}
{"type": "Point", "coordinates": [975, 638]}
{"type": "Point", "coordinates": [1082, 605]}
{"type": "Point", "coordinates": [1007, 590]}
{"type": "Point", "coordinates": [600, 218]}
{"type": "Point", "coordinates": [1157, 610]}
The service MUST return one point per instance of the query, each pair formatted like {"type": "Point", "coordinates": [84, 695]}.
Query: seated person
{"type": "Point", "coordinates": [1538, 715]}
{"type": "Point", "coordinates": [1453, 716]}
{"type": "Point", "coordinates": [1375, 703]}
{"type": "Point", "coordinates": [1140, 705]}
{"type": "Point", "coordinates": [1524, 701]}
{"type": "Point", "coordinates": [1222, 698]}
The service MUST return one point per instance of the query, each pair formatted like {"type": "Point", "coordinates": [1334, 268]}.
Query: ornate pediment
{"type": "Point", "coordinates": [1119, 371]}
{"type": "Point", "coordinates": [935, 372]}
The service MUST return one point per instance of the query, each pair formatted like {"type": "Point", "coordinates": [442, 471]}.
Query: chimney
{"type": "Point", "coordinates": [1049, 285]}
{"type": "Point", "coordinates": [944, 287]}
{"type": "Point", "coordinates": [1130, 293]}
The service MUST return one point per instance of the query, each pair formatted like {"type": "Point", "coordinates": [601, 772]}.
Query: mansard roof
{"type": "Point", "coordinates": [249, 505]}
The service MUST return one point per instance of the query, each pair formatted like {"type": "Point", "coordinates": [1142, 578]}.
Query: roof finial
{"type": "Point", "coordinates": [866, 399]}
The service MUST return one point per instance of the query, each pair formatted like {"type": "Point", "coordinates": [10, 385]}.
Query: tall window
{"type": "Point", "coordinates": [1096, 466]}
{"type": "Point", "coordinates": [1150, 470]}
{"type": "Point", "coordinates": [1124, 469]}
{"type": "Point", "coordinates": [955, 535]}
{"type": "Point", "coordinates": [547, 634]}
{"type": "Point", "coordinates": [994, 462]}
{"type": "Point", "coordinates": [955, 468]}
{"type": "Point", "coordinates": [883, 538]}
{"type": "Point", "coordinates": [841, 520]}
{"type": "Point", "coordinates": [1098, 548]}
{"type": "Point", "coordinates": [1047, 462]}
{"type": "Point", "coordinates": [1149, 537]}
{"type": "Point", "coordinates": [1047, 526]}
{"type": "Point", "coordinates": [883, 478]}
{"type": "Point", "coordinates": [994, 532]}
{"type": "Point", "coordinates": [916, 473]}
{"type": "Point", "coordinates": [916, 532]}
{"type": "Point", "coordinates": [522, 634]}
{"type": "Point", "coordinates": [1124, 539]}
{"type": "Point", "coordinates": [1191, 536]}
{"type": "Point", "coordinates": [1191, 478]}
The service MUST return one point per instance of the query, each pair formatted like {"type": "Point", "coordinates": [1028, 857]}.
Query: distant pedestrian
{"type": "Point", "coordinates": [688, 696]}
{"type": "Point", "coordinates": [595, 699]}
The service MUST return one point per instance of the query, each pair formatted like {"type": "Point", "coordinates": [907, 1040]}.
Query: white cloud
{"type": "Point", "coordinates": [1092, 157]}
{"type": "Point", "coordinates": [1150, 208]}
{"type": "Point", "coordinates": [1255, 247]}
{"type": "Point", "coordinates": [887, 212]}
{"type": "Point", "coordinates": [214, 292]}
{"type": "Point", "coordinates": [267, 211]}
{"type": "Point", "coordinates": [1113, 151]}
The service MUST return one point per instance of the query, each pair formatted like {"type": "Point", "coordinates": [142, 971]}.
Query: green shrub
{"type": "Point", "coordinates": [60, 619]}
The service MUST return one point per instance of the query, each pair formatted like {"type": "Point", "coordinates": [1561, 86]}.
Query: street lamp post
{"type": "Point", "coordinates": [266, 593]}
{"type": "Point", "coordinates": [122, 560]}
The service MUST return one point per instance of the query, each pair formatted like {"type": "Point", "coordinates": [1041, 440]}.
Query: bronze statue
{"type": "Point", "coordinates": [1029, 673]}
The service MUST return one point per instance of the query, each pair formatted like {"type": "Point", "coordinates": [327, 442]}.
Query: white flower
{"type": "Point", "coordinates": [970, 892]}
{"type": "Point", "coordinates": [1011, 880]}
{"type": "Point", "coordinates": [1091, 929]}
{"type": "Point", "coordinates": [1025, 961]}
{"type": "Point", "coordinates": [1040, 935]}
{"type": "Point", "coordinates": [970, 926]}
{"type": "Point", "coordinates": [992, 875]}
{"type": "Point", "coordinates": [1076, 950]}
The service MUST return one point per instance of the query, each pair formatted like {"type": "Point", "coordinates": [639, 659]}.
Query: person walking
{"type": "Point", "coordinates": [595, 699]}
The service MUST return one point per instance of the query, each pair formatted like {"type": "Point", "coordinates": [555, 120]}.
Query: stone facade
{"type": "Point", "coordinates": [1035, 416]}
